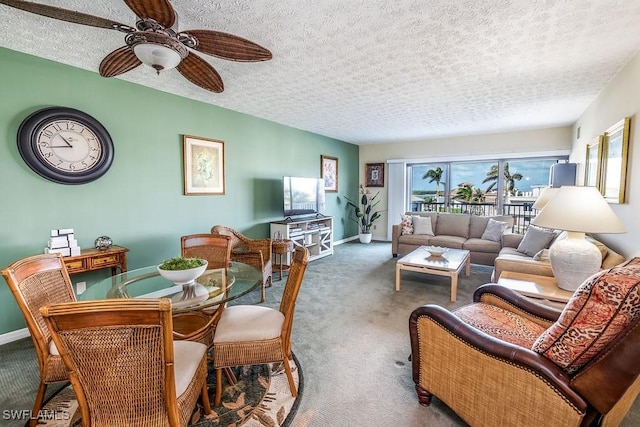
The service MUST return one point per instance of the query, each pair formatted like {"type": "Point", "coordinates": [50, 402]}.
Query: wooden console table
{"type": "Point", "coordinates": [93, 259]}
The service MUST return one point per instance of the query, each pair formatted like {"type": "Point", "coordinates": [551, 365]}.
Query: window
{"type": "Point", "coordinates": [487, 187]}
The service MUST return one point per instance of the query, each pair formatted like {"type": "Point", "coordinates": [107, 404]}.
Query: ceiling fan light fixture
{"type": "Point", "coordinates": [156, 49]}
{"type": "Point", "coordinates": [157, 56]}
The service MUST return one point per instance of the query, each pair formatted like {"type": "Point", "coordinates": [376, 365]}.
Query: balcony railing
{"type": "Point", "coordinates": [522, 213]}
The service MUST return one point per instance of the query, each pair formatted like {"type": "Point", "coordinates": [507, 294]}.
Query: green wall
{"type": "Point", "coordinates": [139, 202]}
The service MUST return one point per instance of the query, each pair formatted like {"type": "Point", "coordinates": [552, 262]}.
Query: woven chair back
{"type": "Point", "coordinates": [237, 239]}
{"type": "Point", "coordinates": [120, 355]}
{"type": "Point", "coordinates": [290, 294]}
{"type": "Point", "coordinates": [214, 248]}
{"type": "Point", "coordinates": [35, 282]}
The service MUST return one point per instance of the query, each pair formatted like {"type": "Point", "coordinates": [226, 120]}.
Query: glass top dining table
{"type": "Point", "coordinates": [212, 288]}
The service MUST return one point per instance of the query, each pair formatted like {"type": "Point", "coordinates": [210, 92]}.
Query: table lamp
{"type": "Point", "coordinates": [545, 195]}
{"type": "Point", "coordinates": [577, 210]}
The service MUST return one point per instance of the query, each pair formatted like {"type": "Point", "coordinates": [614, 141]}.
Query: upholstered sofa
{"type": "Point", "coordinates": [510, 259]}
{"type": "Point", "coordinates": [457, 231]}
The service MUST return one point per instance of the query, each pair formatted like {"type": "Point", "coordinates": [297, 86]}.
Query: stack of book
{"type": "Point", "coordinates": [62, 241]}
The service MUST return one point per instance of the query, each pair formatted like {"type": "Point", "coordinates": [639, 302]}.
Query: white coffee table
{"type": "Point", "coordinates": [449, 264]}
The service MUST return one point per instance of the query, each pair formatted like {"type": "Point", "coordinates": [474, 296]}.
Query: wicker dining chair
{"type": "Point", "coordinates": [216, 250]}
{"type": "Point", "coordinates": [253, 334]}
{"type": "Point", "coordinates": [124, 366]}
{"type": "Point", "coordinates": [255, 252]}
{"type": "Point", "coordinates": [36, 281]}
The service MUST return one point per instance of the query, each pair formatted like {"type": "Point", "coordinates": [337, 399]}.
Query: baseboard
{"type": "Point", "coordinates": [348, 239]}
{"type": "Point", "coordinates": [14, 336]}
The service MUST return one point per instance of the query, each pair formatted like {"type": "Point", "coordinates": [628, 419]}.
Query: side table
{"type": "Point", "coordinates": [542, 288]}
{"type": "Point", "coordinates": [93, 259]}
{"type": "Point", "coordinates": [281, 248]}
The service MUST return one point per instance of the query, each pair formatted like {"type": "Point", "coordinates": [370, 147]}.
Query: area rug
{"type": "Point", "coordinates": [261, 397]}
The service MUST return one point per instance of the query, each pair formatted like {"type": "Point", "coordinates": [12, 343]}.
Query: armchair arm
{"type": "Point", "coordinates": [451, 358]}
{"type": "Point", "coordinates": [252, 258]}
{"type": "Point", "coordinates": [510, 300]}
{"type": "Point", "coordinates": [511, 240]}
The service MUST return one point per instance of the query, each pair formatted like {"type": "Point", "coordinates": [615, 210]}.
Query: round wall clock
{"type": "Point", "coordinates": [65, 145]}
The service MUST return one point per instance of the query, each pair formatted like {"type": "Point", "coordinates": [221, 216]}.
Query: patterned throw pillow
{"type": "Point", "coordinates": [603, 306]}
{"type": "Point", "coordinates": [407, 224]}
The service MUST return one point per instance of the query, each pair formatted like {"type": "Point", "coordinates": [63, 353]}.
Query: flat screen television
{"type": "Point", "coordinates": [303, 196]}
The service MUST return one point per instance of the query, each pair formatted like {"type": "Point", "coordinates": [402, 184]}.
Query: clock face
{"type": "Point", "coordinates": [69, 146]}
{"type": "Point", "coordinates": [65, 145]}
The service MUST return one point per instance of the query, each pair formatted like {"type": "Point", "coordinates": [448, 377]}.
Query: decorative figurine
{"type": "Point", "coordinates": [103, 243]}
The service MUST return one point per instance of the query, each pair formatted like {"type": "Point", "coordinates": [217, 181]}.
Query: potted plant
{"type": "Point", "coordinates": [364, 216]}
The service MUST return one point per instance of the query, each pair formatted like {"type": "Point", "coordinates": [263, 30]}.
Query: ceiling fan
{"type": "Point", "coordinates": [156, 42]}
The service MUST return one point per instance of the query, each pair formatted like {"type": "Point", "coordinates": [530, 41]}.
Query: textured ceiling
{"type": "Point", "coordinates": [372, 71]}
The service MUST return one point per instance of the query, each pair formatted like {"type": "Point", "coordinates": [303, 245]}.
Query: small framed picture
{"type": "Point", "coordinates": [374, 175]}
{"type": "Point", "coordinates": [329, 172]}
{"type": "Point", "coordinates": [203, 166]}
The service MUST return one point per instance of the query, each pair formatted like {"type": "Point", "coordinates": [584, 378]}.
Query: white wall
{"type": "Point", "coordinates": [494, 145]}
{"type": "Point", "coordinates": [620, 98]}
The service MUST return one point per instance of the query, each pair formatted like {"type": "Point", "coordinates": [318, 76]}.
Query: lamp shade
{"type": "Point", "coordinates": [157, 56]}
{"type": "Point", "coordinates": [579, 209]}
{"type": "Point", "coordinates": [544, 197]}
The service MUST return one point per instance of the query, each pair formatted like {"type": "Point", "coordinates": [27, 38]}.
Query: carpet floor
{"type": "Point", "coordinates": [350, 336]}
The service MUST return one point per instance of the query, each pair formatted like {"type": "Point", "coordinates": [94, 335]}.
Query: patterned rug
{"type": "Point", "coordinates": [261, 397]}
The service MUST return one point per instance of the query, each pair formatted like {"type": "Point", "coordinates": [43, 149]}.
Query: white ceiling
{"type": "Point", "coordinates": [373, 71]}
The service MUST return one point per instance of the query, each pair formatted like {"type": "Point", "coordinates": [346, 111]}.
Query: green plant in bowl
{"type": "Point", "coordinates": [181, 263]}
{"type": "Point", "coordinates": [182, 271]}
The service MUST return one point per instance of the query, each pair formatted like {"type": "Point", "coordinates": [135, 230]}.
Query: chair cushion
{"type": "Point", "coordinates": [53, 350]}
{"type": "Point", "coordinates": [187, 356]}
{"type": "Point", "coordinates": [500, 323]}
{"type": "Point", "coordinates": [603, 306]}
{"type": "Point", "coordinates": [248, 323]}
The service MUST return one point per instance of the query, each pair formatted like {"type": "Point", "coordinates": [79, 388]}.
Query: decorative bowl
{"type": "Point", "coordinates": [183, 277]}
{"type": "Point", "coordinates": [436, 250]}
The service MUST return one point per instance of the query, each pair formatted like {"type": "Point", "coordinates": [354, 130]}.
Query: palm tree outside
{"type": "Point", "coordinates": [509, 179]}
{"type": "Point", "coordinates": [435, 175]}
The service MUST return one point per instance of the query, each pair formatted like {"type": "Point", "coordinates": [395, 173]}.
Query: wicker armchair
{"type": "Point", "coordinates": [504, 360]}
{"type": "Point", "coordinates": [36, 281]}
{"type": "Point", "coordinates": [255, 252]}
{"type": "Point", "coordinates": [216, 249]}
{"type": "Point", "coordinates": [124, 366]}
{"type": "Point", "coordinates": [253, 334]}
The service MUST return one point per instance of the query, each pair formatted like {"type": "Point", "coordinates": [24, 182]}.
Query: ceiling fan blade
{"type": "Point", "coordinates": [160, 11]}
{"type": "Point", "coordinates": [118, 62]}
{"type": "Point", "coordinates": [228, 46]}
{"type": "Point", "coordinates": [66, 15]}
{"type": "Point", "coordinates": [201, 73]}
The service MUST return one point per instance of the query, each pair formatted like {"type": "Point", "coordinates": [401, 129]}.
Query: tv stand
{"type": "Point", "coordinates": [316, 234]}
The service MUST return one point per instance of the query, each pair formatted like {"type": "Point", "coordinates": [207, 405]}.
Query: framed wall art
{"type": "Point", "coordinates": [593, 163]}
{"type": "Point", "coordinates": [374, 175]}
{"type": "Point", "coordinates": [614, 161]}
{"type": "Point", "coordinates": [203, 166]}
{"type": "Point", "coordinates": [329, 172]}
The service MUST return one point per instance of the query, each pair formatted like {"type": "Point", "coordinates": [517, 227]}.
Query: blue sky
{"type": "Point", "coordinates": [534, 172]}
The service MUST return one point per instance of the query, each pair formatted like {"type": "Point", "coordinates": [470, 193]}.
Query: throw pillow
{"type": "Point", "coordinates": [422, 225]}
{"type": "Point", "coordinates": [494, 230]}
{"type": "Point", "coordinates": [543, 255]}
{"type": "Point", "coordinates": [535, 239]}
{"type": "Point", "coordinates": [407, 224]}
{"type": "Point", "coordinates": [602, 307]}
